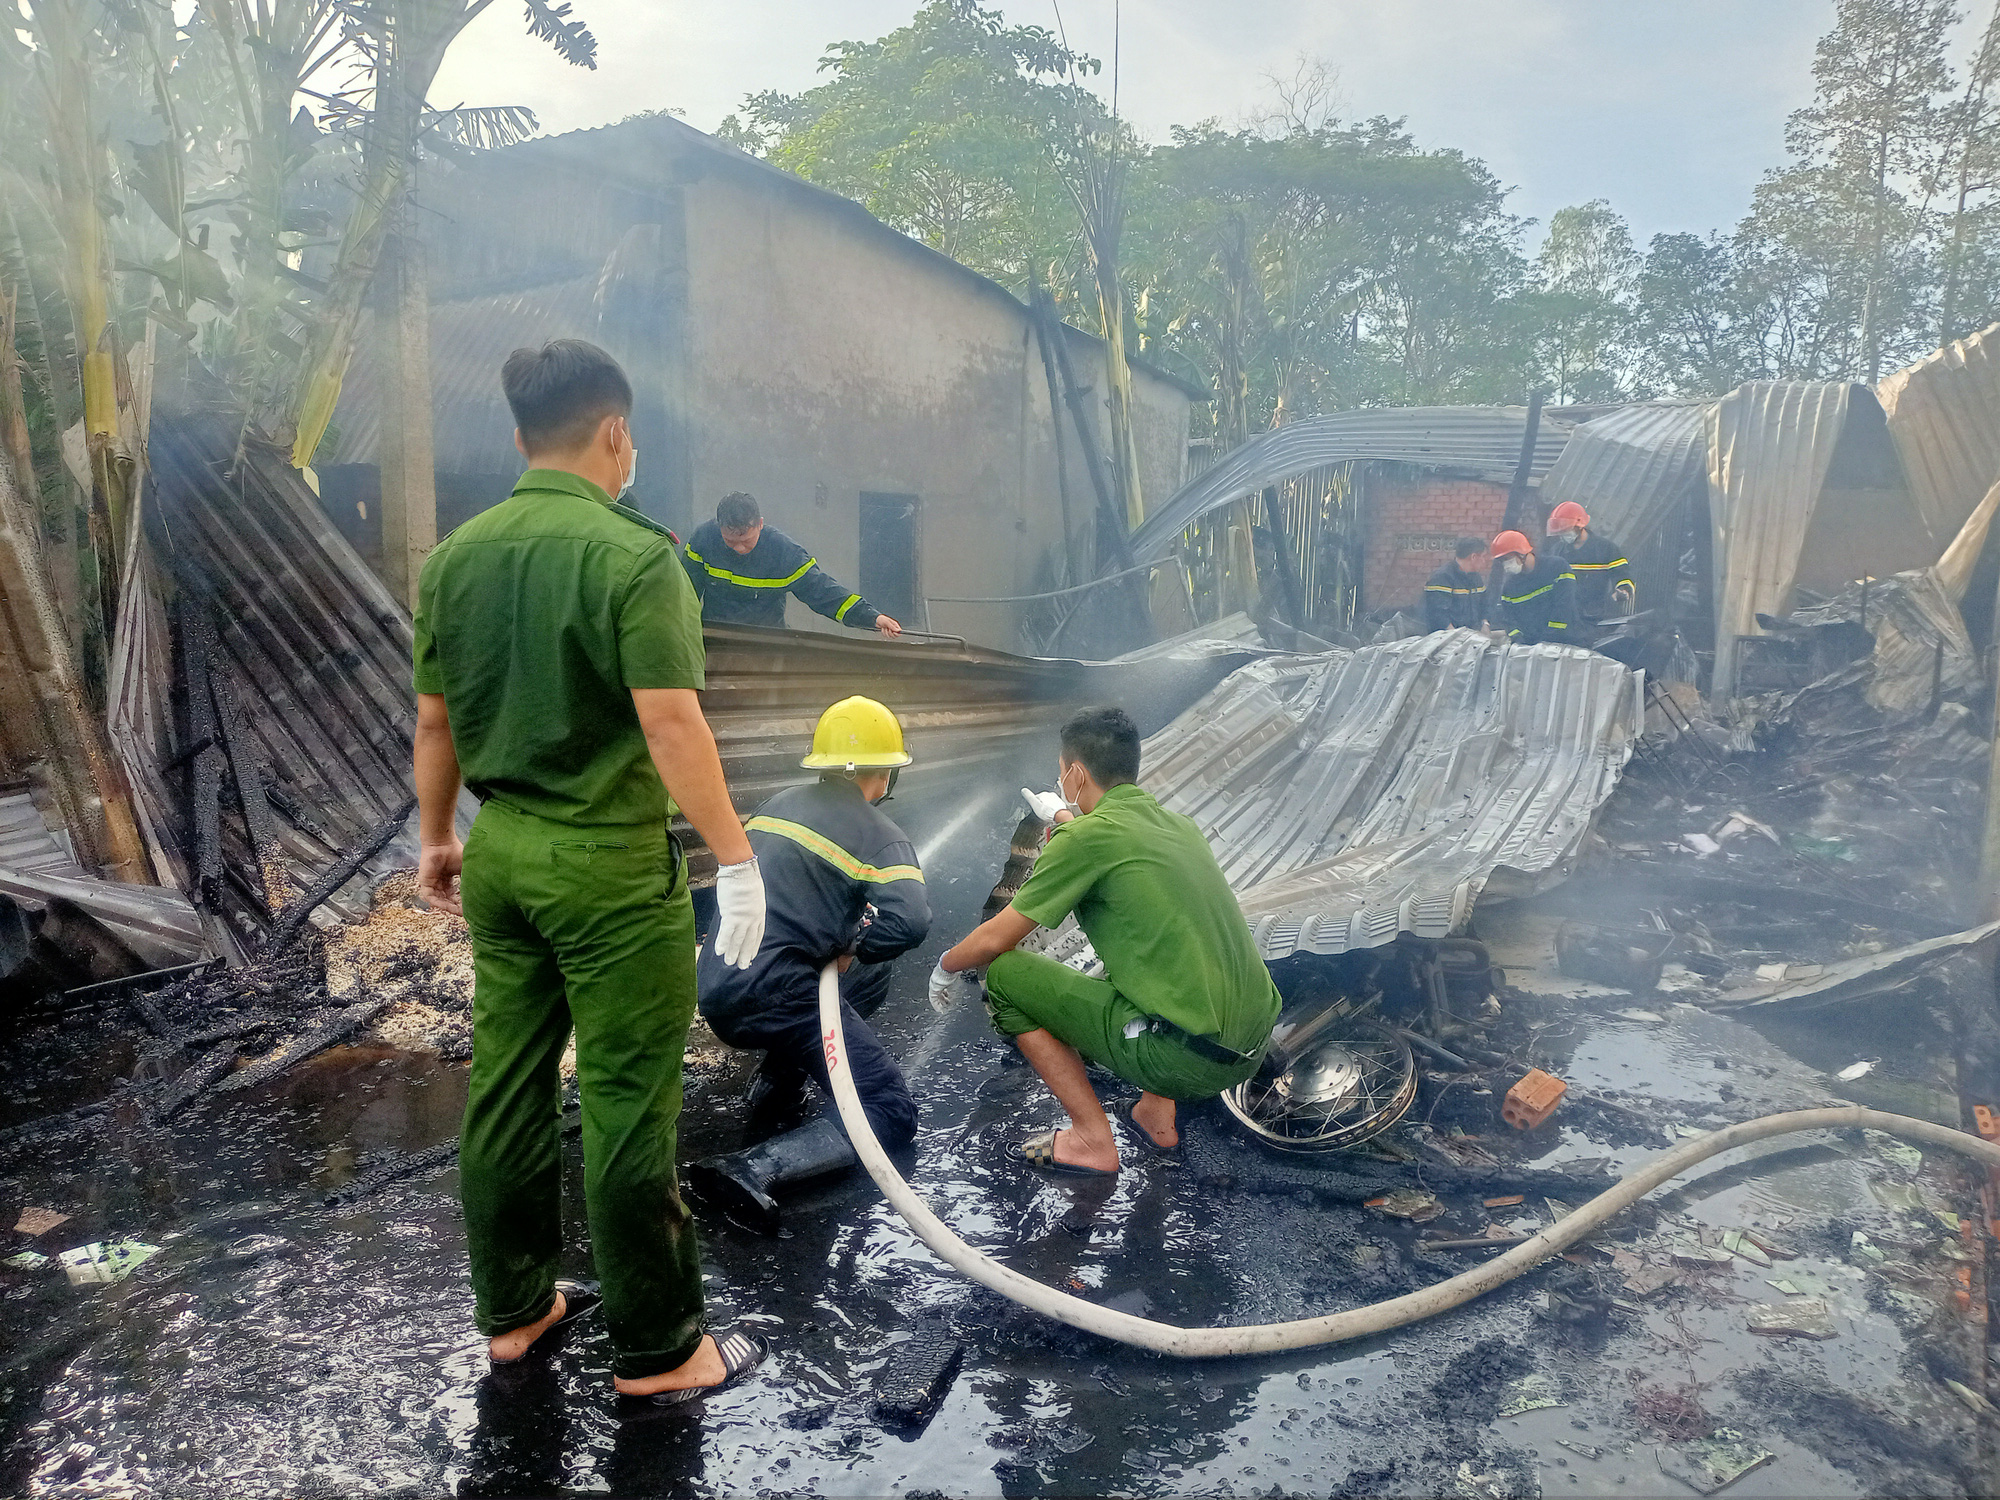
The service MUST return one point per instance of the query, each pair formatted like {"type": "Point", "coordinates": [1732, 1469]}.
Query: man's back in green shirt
{"type": "Point", "coordinates": [535, 620]}
{"type": "Point", "coordinates": [1148, 893]}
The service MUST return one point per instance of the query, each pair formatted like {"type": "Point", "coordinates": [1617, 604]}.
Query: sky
{"type": "Point", "coordinates": [1670, 109]}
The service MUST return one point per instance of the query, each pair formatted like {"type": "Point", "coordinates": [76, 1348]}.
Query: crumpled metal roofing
{"type": "Point", "coordinates": [1353, 796]}
{"type": "Point", "coordinates": [1944, 415]}
{"type": "Point", "coordinates": [37, 868]}
{"type": "Point", "coordinates": [1481, 441]}
{"type": "Point", "coordinates": [1770, 444]}
{"type": "Point", "coordinates": [1632, 467]}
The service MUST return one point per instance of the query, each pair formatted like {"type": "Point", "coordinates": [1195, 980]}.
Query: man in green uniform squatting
{"type": "Point", "coordinates": [1186, 1006]}
{"type": "Point", "coordinates": [558, 653]}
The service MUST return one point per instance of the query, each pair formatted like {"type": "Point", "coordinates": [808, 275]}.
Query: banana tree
{"type": "Point", "coordinates": [403, 43]}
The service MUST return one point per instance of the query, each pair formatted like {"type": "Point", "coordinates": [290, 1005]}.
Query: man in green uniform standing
{"type": "Point", "coordinates": [558, 653]}
{"type": "Point", "coordinates": [1185, 1007]}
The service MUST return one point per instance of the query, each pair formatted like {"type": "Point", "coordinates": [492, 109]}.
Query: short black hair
{"type": "Point", "coordinates": [1106, 741]}
{"type": "Point", "coordinates": [1469, 546]}
{"type": "Point", "coordinates": [738, 512]}
{"type": "Point", "coordinates": [561, 391]}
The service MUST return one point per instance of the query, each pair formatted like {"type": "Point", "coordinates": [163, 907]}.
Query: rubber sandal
{"type": "Point", "coordinates": [580, 1298]}
{"type": "Point", "coordinates": [1039, 1152]}
{"type": "Point", "coordinates": [1145, 1135]}
{"type": "Point", "coordinates": [740, 1354]}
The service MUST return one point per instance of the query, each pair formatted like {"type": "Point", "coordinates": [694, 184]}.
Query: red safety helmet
{"type": "Point", "coordinates": [1566, 515]}
{"type": "Point", "coordinates": [1510, 544]}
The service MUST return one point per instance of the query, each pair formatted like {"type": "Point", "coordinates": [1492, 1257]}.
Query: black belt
{"type": "Point", "coordinates": [1201, 1046]}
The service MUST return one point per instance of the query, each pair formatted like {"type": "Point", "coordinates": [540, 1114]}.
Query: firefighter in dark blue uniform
{"type": "Point", "coordinates": [1604, 585]}
{"type": "Point", "coordinates": [841, 883]}
{"type": "Point", "coordinates": [1456, 592]}
{"type": "Point", "coordinates": [742, 569]}
{"type": "Point", "coordinates": [1537, 593]}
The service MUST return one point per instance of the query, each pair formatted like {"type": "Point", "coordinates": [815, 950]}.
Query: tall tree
{"type": "Point", "coordinates": [1586, 270]}
{"type": "Point", "coordinates": [1693, 335]}
{"type": "Point", "coordinates": [1970, 169]}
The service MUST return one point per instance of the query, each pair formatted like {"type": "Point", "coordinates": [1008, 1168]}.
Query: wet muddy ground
{"type": "Point", "coordinates": [281, 1346]}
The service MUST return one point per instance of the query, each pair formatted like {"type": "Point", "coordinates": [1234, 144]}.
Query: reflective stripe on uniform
{"type": "Point", "coordinates": [832, 853]}
{"type": "Point", "coordinates": [1577, 567]}
{"type": "Point", "coordinates": [753, 583]}
{"type": "Point", "coordinates": [841, 613]}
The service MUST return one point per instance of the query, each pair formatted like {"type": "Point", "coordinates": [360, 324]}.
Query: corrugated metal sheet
{"type": "Point", "coordinates": [473, 431]}
{"type": "Point", "coordinates": [1944, 414]}
{"type": "Point", "coordinates": [25, 840]}
{"type": "Point", "coordinates": [1633, 468]}
{"type": "Point", "coordinates": [1358, 795]}
{"type": "Point", "coordinates": [1480, 441]}
{"type": "Point", "coordinates": [156, 923]}
{"type": "Point", "coordinates": [1770, 444]}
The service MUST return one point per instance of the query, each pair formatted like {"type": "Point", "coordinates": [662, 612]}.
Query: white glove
{"type": "Point", "coordinates": [1044, 805]}
{"type": "Point", "coordinates": [739, 913]}
{"type": "Point", "coordinates": [947, 988]}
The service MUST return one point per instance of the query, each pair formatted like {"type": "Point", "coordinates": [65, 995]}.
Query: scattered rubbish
{"type": "Point", "coordinates": [1771, 972]}
{"type": "Point", "coordinates": [1859, 1244]}
{"type": "Point", "coordinates": [1806, 1318]}
{"type": "Point", "coordinates": [1621, 958]}
{"type": "Point", "coordinates": [1558, 1210]}
{"type": "Point", "coordinates": [1898, 1153]}
{"type": "Point", "coordinates": [1408, 1203]}
{"type": "Point", "coordinates": [1905, 1197]}
{"type": "Point", "coordinates": [1824, 849]}
{"type": "Point", "coordinates": [1507, 1202]}
{"type": "Point", "coordinates": [105, 1260]}
{"type": "Point", "coordinates": [1713, 1463]}
{"type": "Point", "coordinates": [1494, 1236]}
{"type": "Point", "coordinates": [1739, 823]}
{"type": "Point", "coordinates": [1701, 844]}
{"type": "Point", "coordinates": [35, 1222]}
{"type": "Point", "coordinates": [1648, 1280]}
{"type": "Point", "coordinates": [918, 1373]}
{"type": "Point", "coordinates": [1700, 1257]}
{"type": "Point", "coordinates": [1651, 1018]}
{"type": "Point", "coordinates": [1737, 1243]}
{"type": "Point", "coordinates": [1532, 1100]}
{"type": "Point", "coordinates": [1788, 1288]}
{"type": "Point", "coordinates": [1947, 1218]}
{"type": "Point", "coordinates": [25, 1260]}
{"type": "Point", "coordinates": [1689, 1133]}
{"type": "Point", "coordinates": [1776, 1249]}
{"type": "Point", "coordinates": [1972, 1398]}
{"type": "Point", "coordinates": [1581, 1450]}
{"type": "Point", "coordinates": [1856, 1070]}
{"type": "Point", "coordinates": [1986, 1122]}
{"type": "Point", "coordinates": [1533, 1393]}
{"type": "Point", "coordinates": [1707, 965]}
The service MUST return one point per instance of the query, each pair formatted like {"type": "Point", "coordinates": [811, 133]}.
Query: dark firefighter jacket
{"type": "Point", "coordinates": [1600, 566]}
{"type": "Point", "coordinates": [1540, 604]}
{"type": "Point", "coordinates": [1453, 597]}
{"type": "Point", "coordinates": [750, 589]}
{"type": "Point", "coordinates": [828, 859]}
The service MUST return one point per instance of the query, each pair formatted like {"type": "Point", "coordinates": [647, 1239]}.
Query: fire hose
{"type": "Point", "coordinates": [1359, 1322]}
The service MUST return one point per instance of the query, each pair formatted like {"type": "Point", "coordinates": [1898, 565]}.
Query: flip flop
{"type": "Point", "coordinates": [1145, 1135]}
{"type": "Point", "coordinates": [579, 1299]}
{"type": "Point", "coordinates": [1039, 1152]}
{"type": "Point", "coordinates": [740, 1354]}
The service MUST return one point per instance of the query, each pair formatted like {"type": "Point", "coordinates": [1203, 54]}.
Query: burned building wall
{"type": "Point", "coordinates": [1410, 521]}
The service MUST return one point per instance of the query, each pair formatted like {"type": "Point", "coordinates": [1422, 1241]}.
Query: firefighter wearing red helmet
{"type": "Point", "coordinates": [1537, 592]}
{"type": "Point", "coordinates": [1604, 585]}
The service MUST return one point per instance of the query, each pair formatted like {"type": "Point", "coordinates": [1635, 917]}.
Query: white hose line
{"type": "Point", "coordinates": [1211, 1343]}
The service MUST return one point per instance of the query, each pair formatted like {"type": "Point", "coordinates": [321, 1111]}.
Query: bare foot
{"type": "Point", "coordinates": [1155, 1115]}
{"type": "Point", "coordinates": [1073, 1150]}
{"type": "Point", "coordinates": [507, 1347]}
{"type": "Point", "coordinates": [704, 1367]}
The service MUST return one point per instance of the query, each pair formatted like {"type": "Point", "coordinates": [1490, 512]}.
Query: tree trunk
{"type": "Point", "coordinates": [409, 464]}
{"type": "Point", "coordinates": [1118, 380]}
{"type": "Point", "coordinates": [48, 728]}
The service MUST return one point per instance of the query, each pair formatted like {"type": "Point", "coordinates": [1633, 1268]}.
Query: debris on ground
{"type": "Point", "coordinates": [35, 1222]}
{"type": "Point", "coordinates": [1715, 1462]}
{"type": "Point", "coordinates": [105, 1261]}
{"type": "Point", "coordinates": [1805, 1318]}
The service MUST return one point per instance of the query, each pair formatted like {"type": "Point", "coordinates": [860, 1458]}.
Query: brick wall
{"type": "Point", "coordinates": [1410, 526]}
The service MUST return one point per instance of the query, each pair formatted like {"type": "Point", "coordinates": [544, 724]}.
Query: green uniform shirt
{"type": "Point", "coordinates": [1147, 892]}
{"type": "Point", "coordinates": [535, 619]}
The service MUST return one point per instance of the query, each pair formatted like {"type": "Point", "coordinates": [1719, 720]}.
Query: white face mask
{"type": "Point", "coordinates": [631, 474]}
{"type": "Point", "coordinates": [1511, 566]}
{"type": "Point", "coordinates": [1061, 790]}
{"type": "Point", "coordinates": [1573, 536]}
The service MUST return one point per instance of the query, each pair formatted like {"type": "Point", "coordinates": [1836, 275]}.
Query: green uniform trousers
{"type": "Point", "coordinates": [1027, 992]}
{"type": "Point", "coordinates": [591, 928]}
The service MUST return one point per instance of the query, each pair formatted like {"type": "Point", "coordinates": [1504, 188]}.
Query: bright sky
{"type": "Point", "coordinates": [1671, 109]}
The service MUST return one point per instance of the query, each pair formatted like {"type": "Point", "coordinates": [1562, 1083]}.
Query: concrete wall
{"type": "Point", "coordinates": [1410, 526]}
{"type": "Point", "coordinates": [826, 361]}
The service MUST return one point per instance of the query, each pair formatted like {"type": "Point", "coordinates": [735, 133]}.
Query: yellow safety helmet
{"type": "Point", "coordinates": [856, 734]}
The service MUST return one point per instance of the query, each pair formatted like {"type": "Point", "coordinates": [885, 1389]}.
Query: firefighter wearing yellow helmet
{"type": "Point", "coordinates": [841, 882]}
